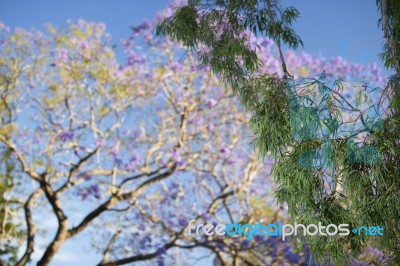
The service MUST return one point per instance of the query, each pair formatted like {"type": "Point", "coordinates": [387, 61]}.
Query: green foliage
{"type": "Point", "coordinates": [216, 32]}
{"type": "Point", "coordinates": [270, 117]}
{"type": "Point", "coordinates": [351, 186]}
{"type": "Point", "coordinates": [11, 232]}
{"type": "Point", "coordinates": [390, 23]}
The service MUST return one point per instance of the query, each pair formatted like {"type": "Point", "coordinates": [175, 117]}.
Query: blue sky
{"type": "Point", "coordinates": [345, 28]}
{"type": "Point", "coordinates": [329, 28]}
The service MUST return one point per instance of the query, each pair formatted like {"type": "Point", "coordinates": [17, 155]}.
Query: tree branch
{"type": "Point", "coordinates": [31, 228]}
{"type": "Point", "coordinates": [21, 159]}
{"type": "Point", "coordinates": [61, 233]}
{"type": "Point", "coordinates": [114, 199]}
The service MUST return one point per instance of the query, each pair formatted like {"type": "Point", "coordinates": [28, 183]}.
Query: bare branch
{"type": "Point", "coordinates": [31, 228]}
{"type": "Point", "coordinates": [21, 159]}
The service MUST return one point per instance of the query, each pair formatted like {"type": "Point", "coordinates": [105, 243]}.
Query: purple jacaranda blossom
{"type": "Point", "coordinates": [66, 135]}
{"type": "Point", "coordinates": [85, 176]}
{"type": "Point", "coordinates": [133, 58]}
{"type": "Point", "coordinates": [95, 191]}
{"type": "Point", "coordinates": [207, 217]}
{"type": "Point", "coordinates": [118, 161]}
{"type": "Point", "coordinates": [182, 221]}
{"type": "Point", "coordinates": [177, 158]}
{"type": "Point", "coordinates": [142, 227]}
{"type": "Point", "coordinates": [160, 261]}
{"type": "Point", "coordinates": [253, 190]}
{"type": "Point", "coordinates": [127, 131]}
{"type": "Point", "coordinates": [375, 253]}
{"type": "Point", "coordinates": [102, 26]}
{"type": "Point", "coordinates": [146, 241]}
{"type": "Point", "coordinates": [162, 250]}
{"type": "Point", "coordinates": [81, 23]}
{"type": "Point", "coordinates": [99, 143]}
{"type": "Point", "coordinates": [273, 252]}
{"type": "Point", "coordinates": [211, 103]}
{"type": "Point", "coordinates": [3, 43]}
{"type": "Point", "coordinates": [148, 36]}
{"type": "Point", "coordinates": [245, 244]}
{"type": "Point", "coordinates": [36, 139]}
{"type": "Point", "coordinates": [174, 187]}
{"type": "Point", "coordinates": [127, 44]}
{"type": "Point", "coordinates": [232, 160]}
{"type": "Point", "coordinates": [197, 68]}
{"type": "Point", "coordinates": [210, 126]}
{"type": "Point", "coordinates": [224, 150]}
{"type": "Point", "coordinates": [163, 161]}
{"type": "Point", "coordinates": [107, 37]}
{"type": "Point", "coordinates": [92, 190]}
{"type": "Point", "coordinates": [83, 194]}
{"type": "Point", "coordinates": [114, 151]}
{"type": "Point", "coordinates": [88, 177]}
{"type": "Point", "coordinates": [290, 255]}
{"type": "Point", "coordinates": [84, 148]}
{"type": "Point", "coordinates": [220, 245]}
{"type": "Point", "coordinates": [267, 42]}
{"type": "Point", "coordinates": [170, 223]}
{"type": "Point", "coordinates": [23, 149]}
{"type": "Point", "coordinates": [200, 122]}
{"type": "Point", "coordinates": [175, 190]}
{"type": "Point", "coordinates": [166, 12]}
{"type": "Point", "coordinates": [61, 56]}
{"type": "Point", "coordinates": [271, 241]}
{"type": "Point", "coordinates": [138, 134]}
{"type": "Point", "coordinates": [131, 166]}
{"type": "Point", "coordinates": [176, 3]}
{"type": "Point", "coordinates": [192, 120]}
{"type": "Point", "coordinates": [118, 74]}
{"type": "Point", "coordinates": [308, 259]}
{"type": "Point", "coordinates": [175, 66]}
{"type": "Point", "coordinates": [178, 98]}
{"type": "Point", "coordinates": [84, 45]}
{"type": "Point", "coordinates": [232, 245]}
{"type": "Point", "coordinates": [25, 133]}
{"type": "Point", "coordinates": [134, 158]}
{"type": "Point", "coordinates": [203, 51]}
{"type": "Point", "coordinates": [259, 238]}
{"type": "Point", "coordinates": [145, 25]}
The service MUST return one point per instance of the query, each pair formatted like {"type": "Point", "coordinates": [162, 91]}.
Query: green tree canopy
{"type": "Point", "coordinates": [326, 171]}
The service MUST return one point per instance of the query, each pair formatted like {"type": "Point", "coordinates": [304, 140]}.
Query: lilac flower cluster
{"type": "Point", "coordinates": [66, 135]}
{"type": "Point", "coordinates": [93, 190]}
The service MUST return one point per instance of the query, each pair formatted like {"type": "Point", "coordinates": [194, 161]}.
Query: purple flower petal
{"type": "Point", "coordinates": [211, 103]}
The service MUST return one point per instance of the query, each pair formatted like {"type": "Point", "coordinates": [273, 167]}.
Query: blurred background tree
{"type": "Point", "coordinates": [127, 152]}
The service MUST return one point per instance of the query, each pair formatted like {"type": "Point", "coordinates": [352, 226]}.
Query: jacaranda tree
{"type": "Point", "coordinates": [130, 151]}
{"type": "Point", "coordinates": [335, 142]}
